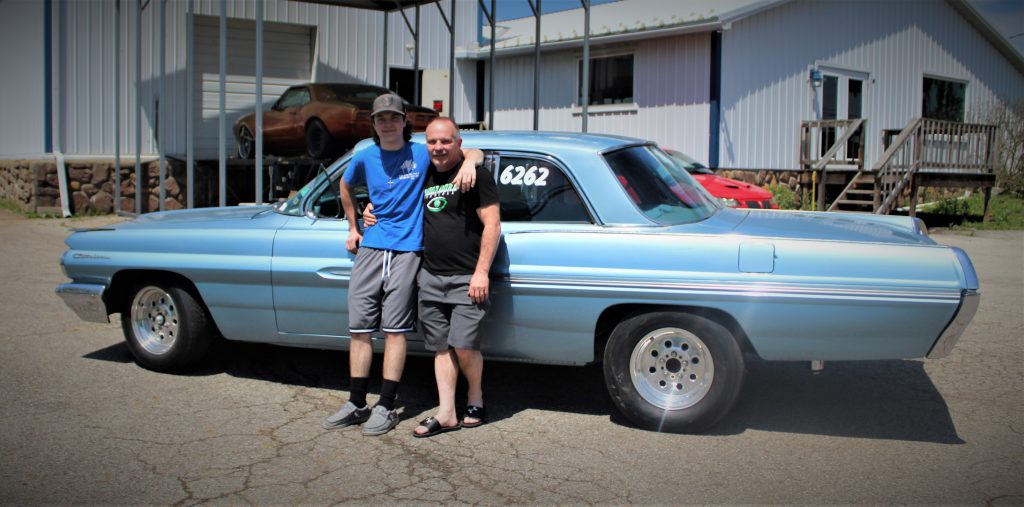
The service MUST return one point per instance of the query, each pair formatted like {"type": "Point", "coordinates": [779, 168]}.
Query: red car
{"type": "Point", "coordinates": [732, 193]}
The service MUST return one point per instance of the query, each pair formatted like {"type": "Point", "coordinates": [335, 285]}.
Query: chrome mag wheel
{"type": "Point", "coordinates": [154, 320]}
{"type": "Point", "coordinates": [671, 368]}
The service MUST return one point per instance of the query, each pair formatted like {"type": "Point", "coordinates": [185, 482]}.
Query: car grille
{"type": "Point", "coordinates": [759, 204]}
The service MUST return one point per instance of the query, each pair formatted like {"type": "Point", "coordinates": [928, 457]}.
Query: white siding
{"type": "Point", "coordinates": [670, 87]}
{"type": "Point", "coordinates": [22, 100]}
{"type": "Point", "coordinates": [766, 59]}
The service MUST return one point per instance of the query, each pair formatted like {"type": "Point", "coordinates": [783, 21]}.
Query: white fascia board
{"type": "Point", "coordinates": [483, 53]}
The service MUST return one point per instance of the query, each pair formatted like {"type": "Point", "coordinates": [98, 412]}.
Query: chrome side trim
{"type": "Point", "coordinates": [968, 307]}
{"type": "Point", "coordinates": [86, 300]}
{"type": "Point", "coordinates": [725, 289]}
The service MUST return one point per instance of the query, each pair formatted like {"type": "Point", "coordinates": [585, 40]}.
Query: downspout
{"type": "Point", "coordinates": [53, 63]}
{"type": "Point", "coordinates": [715, 99]}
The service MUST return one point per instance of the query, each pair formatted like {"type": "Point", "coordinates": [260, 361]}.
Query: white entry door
{"type": "Point", "coordinates": [841, 98]}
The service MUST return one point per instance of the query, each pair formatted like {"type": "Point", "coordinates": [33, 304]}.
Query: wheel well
{"type": "Point", "coordinates": [116, 296]}
{"type": "Point", "coordinates": [613, 315]}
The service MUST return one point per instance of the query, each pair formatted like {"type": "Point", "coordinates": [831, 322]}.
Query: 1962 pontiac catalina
{"type": "Point", "coordinates": [610, 252]}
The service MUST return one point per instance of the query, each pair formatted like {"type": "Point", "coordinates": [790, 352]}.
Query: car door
{"type": "Point", "coordinates": [310, 271]}
{"type": "Point", "coordinates": [531, 316]}
{"type": "Point", "coordinates": [282, 125]}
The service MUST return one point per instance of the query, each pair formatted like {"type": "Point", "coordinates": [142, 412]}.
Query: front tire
{"type": "Point", "coordinates": [246, 143]}
{"type": "Point", "coordinates": [165, 326]}
{"type": "Point", "coordinates": [675, 372]}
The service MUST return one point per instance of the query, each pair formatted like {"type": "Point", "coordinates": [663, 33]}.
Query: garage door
{"type": "Point", "coordinates": [287, 60]}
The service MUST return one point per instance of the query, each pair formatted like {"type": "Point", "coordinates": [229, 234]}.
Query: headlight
{"type": "Point", "coordinates": [732, 203]}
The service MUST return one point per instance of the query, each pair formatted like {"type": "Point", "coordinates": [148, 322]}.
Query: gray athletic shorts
{"type": "Point", "coordinates": [448, 317]}
{"type": "Point", "coordinates": [382, 291]}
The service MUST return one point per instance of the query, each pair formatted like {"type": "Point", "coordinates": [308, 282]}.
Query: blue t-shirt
{"type": "Point", "coordinates": [394, 180]}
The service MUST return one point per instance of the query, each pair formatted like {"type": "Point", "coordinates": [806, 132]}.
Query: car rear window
{"type": "Point", "coordinates": [659, 188]}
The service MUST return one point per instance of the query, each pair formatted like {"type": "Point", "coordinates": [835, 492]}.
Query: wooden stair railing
{"type": "Point", "coordinates": [898, 164]}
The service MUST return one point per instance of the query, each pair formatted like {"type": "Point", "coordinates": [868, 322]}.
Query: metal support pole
{"type": "Point", "coordinates": [161, 99]}
{"type": "Point", "coordinates": [585, 82]}
{"type": "Point", "coordinates": [190, 112]}
{"type": "Point", "coordinates": [117, 106]}
{"type": "Point", "coordinates": [451, 56]}
{"type": "Point", "coordinates": [384, 73]}
{"type": "Point", "coordinates": [222, 156]}
{"type": "Point", "coordinates": [259, 103]}
{"type": "Point", "coordinates": [490, 70]}
{"type": "Point", "coordinates": [536, 66]}
{"type": "Point", "coordinates": [138, 107]}
{"type": "Point", "coordinates": [416, 60]}
{"type": "Point", "coordinates": [451, 67]}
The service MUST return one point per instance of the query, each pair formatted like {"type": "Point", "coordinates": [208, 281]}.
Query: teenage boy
{"type": "Point", "coordinates": [382, 287]}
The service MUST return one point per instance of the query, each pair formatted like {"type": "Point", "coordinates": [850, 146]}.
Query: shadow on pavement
{"type": "Point", "coordinates": [888, 400]}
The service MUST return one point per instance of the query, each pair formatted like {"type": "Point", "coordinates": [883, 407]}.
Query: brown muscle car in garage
{"type": "Point", "coordinates": [319, 120]}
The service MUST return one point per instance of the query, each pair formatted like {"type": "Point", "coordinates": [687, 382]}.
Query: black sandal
{"type": "Point", "coordinates": [434, 427]}
{"type": "Point", "coordinates": [478, 413]}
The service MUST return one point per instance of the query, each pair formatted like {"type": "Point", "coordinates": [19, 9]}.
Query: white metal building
{"type": "Point", "coordinates": [727, 81]}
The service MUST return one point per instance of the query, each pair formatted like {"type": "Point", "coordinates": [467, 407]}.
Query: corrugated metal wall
{"type": "Point", "coordinates": [22, 104]}
{"type": "Point", "coordinates": [766, 60]}
{"type": "Point", "coordinates": [348, 47]}
{"type": "Point", "coordinates": [670, 88]}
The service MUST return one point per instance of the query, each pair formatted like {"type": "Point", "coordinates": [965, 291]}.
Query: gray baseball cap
{"type": "Point", "coordinates": [388, 102]}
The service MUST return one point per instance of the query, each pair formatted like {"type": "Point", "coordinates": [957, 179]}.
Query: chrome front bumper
{"type": "Point", "coordinates": [86, 300]}
{"type": "Point", "coordinates": [968, 307]}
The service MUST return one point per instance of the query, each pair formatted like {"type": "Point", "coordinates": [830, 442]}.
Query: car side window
{"type": "Point", "coordinates": [534, 189]}
{"type": "Point", "coordinates": [327, 204]}
{"type": "Point", "coordinates": [294, 98]}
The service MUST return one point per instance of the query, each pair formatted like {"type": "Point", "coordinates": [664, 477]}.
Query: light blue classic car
{"type": "Point", "coordinates": [610, 252]}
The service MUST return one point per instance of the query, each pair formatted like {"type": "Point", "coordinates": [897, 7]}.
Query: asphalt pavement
{"type": "Point", "coordinates": [81, 423]}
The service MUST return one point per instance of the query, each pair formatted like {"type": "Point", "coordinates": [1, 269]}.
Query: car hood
{"type": "Point", "coordinates": [192, 216]}
{"type": "Point", "coordinates": [732, 189]}
{"type": "Point", "coordinates": [831, 226]}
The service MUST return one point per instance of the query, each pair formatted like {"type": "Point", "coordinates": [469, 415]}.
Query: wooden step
{"type": "Point", "coordinates": [855, 202]}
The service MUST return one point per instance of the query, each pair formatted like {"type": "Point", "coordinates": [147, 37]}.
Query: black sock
{"type": "Point", "coordinates": [388, 393]}
{"type": "Point", "coordinates": [358, 390]}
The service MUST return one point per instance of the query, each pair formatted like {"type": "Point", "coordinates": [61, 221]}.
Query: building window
{"type": "Point", "coordinates": [611, 80]}
{"type": "Point", "coordinates": [944, 99]}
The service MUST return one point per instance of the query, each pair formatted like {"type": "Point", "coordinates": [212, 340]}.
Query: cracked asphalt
{"type": "Point", "coordinates": [81, 423]}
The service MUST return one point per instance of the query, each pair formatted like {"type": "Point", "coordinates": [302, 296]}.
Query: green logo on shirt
{"type": "Point", "coordinates": [436, 204]}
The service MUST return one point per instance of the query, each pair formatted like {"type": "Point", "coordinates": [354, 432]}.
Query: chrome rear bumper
{"type": "Point", "coordinates": [968, 307]}
{"type": "Point", "coordinates": [86, 300]}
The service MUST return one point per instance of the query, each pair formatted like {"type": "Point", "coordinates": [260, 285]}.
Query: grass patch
{"type": "Point", "coordinates": [14, 208]}
{"type": "Point", "coordinates": [965, 213]}
{"type": "Point", "coordinates": [1006, 211]}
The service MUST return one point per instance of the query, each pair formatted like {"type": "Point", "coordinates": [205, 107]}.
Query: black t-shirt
{"type": "Point", "coordinates": [451, 227]}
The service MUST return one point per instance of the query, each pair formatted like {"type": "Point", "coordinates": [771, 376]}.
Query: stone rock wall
{"type": "Point", "coordinates": [796, 181]}
{"type": "Point", "coordinates": [33, 186]}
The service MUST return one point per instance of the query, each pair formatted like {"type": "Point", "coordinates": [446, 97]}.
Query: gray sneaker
{"type": "Point", "coordinates": [381, 421]}
{"type": "Point", "coordinates": [347, 416]}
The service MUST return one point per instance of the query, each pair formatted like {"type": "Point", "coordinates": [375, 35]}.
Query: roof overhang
{"type": "Point", "coordinates": [372, 5]}
{"type": "Point", "coordinates": [595, 40]}
{"type": "Point", "coordinates": [989, 32]}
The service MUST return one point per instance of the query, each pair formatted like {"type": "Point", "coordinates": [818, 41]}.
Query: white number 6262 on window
{"type": "Point", "coordinates": [519, 175]}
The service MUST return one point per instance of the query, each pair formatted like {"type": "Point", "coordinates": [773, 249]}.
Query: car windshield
{"type": "Point", "coordinates": [293, 205]}
{"type": "Point", "coordinates": [659, 187]}
{"type": "Point", "coordinates": [691, 165]}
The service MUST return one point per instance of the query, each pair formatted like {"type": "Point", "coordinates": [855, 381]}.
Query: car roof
{"type": "Point", "coordinates": [535, 141]}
